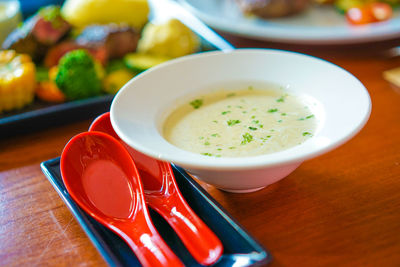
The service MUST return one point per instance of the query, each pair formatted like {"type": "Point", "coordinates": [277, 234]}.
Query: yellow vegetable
{"type": "Point", "coordinates": [81, 13]}
{"type": "Point", "coordinates": [116, 79]}
{"type": "Point", "coordinates": [17, 80]}
{"type": "Point", "coordinates": [171, 39]}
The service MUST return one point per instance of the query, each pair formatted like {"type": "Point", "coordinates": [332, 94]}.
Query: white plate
{"type": "Point", "coordinates": [317, 25]}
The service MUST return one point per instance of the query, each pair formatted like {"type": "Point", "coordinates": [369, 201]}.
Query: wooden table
{"type": "Point", "coordinates": [342, 208]}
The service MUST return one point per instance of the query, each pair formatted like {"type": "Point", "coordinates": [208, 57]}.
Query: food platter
{"type": "Point", "coordinates": [321, 25]}
{"type": "Point", "coordinates": [40, 114]}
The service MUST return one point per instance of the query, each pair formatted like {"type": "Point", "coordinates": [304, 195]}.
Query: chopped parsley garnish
{"type": "Point", "coordinates": [307, 117]}
{"type": "Point", "coordinates": [197, 103]}
{"type": "Point", "coordinates": [215, 121]}
{"type": "Point", "coordinates": [281, 99]}
{"type": "Point", "coordinates": [261, 125]}
{"type": "Point", "coordinates": [255, 121]}
{"type": "Point", "coordinates": [225, 112]}
{"type": "Point", "coordinates": [265, 138]}
{"type": "Point", "coordinates": [239, 106]}
{"type": "Point", "coordinates": [201, 137]}
{"type": "Point", "coordinates": [307, 134]}
{"type": "Point", "coordinates": [272, 110]}
{"type": "Point", "coordinates": [253, 117]}
{"type": "Point", "coordinates": [215, 135]}
{"type": "Point", "coordinates": [232, 122]}
{"type": "Point", "coordinates": [247, 138]}
{"type": "Point", "coordinates": [230, 95]}
{"type": "Point", "coordinates": [280, 121]}
{"type": "Point", "coordinates": [283, 114]}
{"type": "Point", "coordinates": [218, 156]}
{"type": "Point", "coordinates": [206, 143]}
{"type": "Point", "coordinates": [252, 128]}
{"type": "Point", "coordinates": [244, 112]}
{"type": "Point", "coordinates": [207, 154]}
{"type": "Point", "coordinates": [219, 149]}
{"type": "Point", "coordinates": [231, 147]}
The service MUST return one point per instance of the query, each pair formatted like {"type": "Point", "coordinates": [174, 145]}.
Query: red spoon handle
{"type": "Point", "coordinates": [148, 246]}
{"type": "Point", "coordinates": [201, 242]}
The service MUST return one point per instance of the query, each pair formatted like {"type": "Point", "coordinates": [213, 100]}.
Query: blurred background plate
{"type": "Point", "coordinates": [317, 25]}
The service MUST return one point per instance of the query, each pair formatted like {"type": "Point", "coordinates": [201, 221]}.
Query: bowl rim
{"type": "Point", "coordinates": [197, 161]}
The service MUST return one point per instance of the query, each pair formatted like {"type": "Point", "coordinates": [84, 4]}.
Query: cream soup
{"type": "Point", "coordinates": [237, 123]}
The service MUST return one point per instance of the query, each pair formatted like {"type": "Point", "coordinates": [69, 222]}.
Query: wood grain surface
{"type": "Point", "coordinates": [340, 209]}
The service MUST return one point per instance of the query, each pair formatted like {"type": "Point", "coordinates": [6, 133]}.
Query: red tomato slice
{"type": "Point", "coordinates": [381, 11]}
{"type": "Point", "coordinates": [360, 15]}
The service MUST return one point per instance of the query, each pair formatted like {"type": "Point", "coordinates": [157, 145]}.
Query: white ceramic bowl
{"type": "Point", "coordinates": [339, 101]}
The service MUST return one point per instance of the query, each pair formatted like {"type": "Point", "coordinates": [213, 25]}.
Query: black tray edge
{"type": "Point", "coordinates": [86, 227]}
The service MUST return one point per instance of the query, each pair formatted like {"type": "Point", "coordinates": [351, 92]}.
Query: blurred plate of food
{"type": "Point", "coordinates": [66, 63]}
{"type": "Point", "coordinates": [320, 22]}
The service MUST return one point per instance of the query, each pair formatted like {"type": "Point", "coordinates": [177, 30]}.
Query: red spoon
{"type": "Point", "coordinates": [101, 177]}
{"type": "Point", "coordinates": [163, 195]}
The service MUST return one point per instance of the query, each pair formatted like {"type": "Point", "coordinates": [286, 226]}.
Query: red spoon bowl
{"type": "Point", "coordinates": [163, 195]}
{"type": "Point", "coordinates": [102, 178]}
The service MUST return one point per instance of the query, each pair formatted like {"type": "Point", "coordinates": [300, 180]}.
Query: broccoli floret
{"type": "Point", "coordinates": [77, 76]}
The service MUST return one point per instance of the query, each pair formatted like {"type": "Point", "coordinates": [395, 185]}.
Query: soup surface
{"type": "Point", "coordinates": [237, 123]}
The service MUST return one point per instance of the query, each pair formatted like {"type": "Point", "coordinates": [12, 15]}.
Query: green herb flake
{"type": "Point", "coordinates": [247, 138]}
{"type": "Point", "coordinates": [272, 110]}
{"type": "Point", "coordinates": [219, 149]}
{"type": "Point", "coordinates": [239, 106]}
{"type": "Point", "coordinates": [307, 117]}
{"type": "Point", "coordinates": [232, 122]}
{"type": "Point", "coordinates": [230, 95]}
{"type": "Point", "coordinates": [225, 112]}
{"type": "Point", "coordinates": [197, 103]}
{"type": "Point", "coordinates": [279, 121]}
{"type": "Point", "coordinates": [244, 112]}
{"type": "Point", "coordinates": [261, 125]}
{"type": "Point", "coordinates": [231, 147]}
{"type": "Point", "coordinates": [283, 114]}
{"type": "Point", "coordinates": [307, 134]}
{"type": "Point", "coordinates": [281, 99]}
{"type": "Point", "coordinates": [207, 154]}
{"type": "Point", "coordinates": [201, 137]}
{"type": "Point", "coordinates": [206, 143]}
{"type": "Point", "coordinates": [218, 156]}
{"type": "Point", "coordinates": [253, 117]}
{"type": "Point", "coordinates": [215, 135]}
{"type": "Point", "coordinates": [255, 121]}
{"type": "Point", "coordinates": [252, 128]}
{"type": "Point", "coordinates": [215, 121]}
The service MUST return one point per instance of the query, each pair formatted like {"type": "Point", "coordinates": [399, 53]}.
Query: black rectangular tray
{"type": "Point", "coordinates": [240, 249]}
{"type": "Point", "coordinates": [41, 115]}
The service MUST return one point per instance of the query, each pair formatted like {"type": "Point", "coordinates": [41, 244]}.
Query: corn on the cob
{"type": "Point", "coordinates": [17, 80]}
